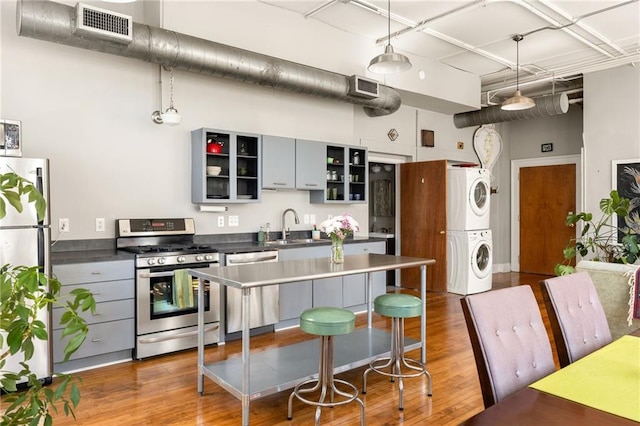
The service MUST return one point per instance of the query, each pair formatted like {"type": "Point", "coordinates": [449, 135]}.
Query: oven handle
{"type": "Point", "coordinates": [176, 336]}
{"type": "Point", "coordinates": [156, 274]}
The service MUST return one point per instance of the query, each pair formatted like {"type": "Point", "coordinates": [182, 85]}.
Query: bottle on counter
{"type": "Point", "coordinates": [261, 234]}
{"type": "Point", "coordinates": [315, 233]}
{"type": "Point", "coordinates": [267, 232]}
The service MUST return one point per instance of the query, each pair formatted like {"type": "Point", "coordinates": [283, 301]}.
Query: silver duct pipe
{"type": "Point", "coordinates": [546, 106]}
{"type": "Point", "coordinates": [49, 21]}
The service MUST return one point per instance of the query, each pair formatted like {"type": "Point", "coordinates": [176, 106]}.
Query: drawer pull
{"type": "Point", "coordinates": [176, 336]}
{"type": "Point", "coordinates": [310, 184]}
{"type": "Point", "coordinates": [96, 340]}
{"type": "Point", "coordinates": [97, 314]}
{"type": "Point", "coordinates": [96, 273]}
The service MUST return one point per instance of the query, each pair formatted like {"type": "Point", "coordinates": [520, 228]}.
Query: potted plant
{"type": "Point", "coordinates": [608, 259]}
{"type": "Point", "coordinates": [25, 290]}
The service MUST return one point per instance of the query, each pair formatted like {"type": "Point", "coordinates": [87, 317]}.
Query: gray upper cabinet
{"type": "Point", "coordinates": [278, 162]}
{"type": "Point", "coordinates": [310, 167]}
{"type": "Point", "coordinates": [225, 167]}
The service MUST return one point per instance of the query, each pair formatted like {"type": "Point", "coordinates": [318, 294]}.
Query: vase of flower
{"type": "Point", "coordinates": [338, 228]}
{"type": "Point", "coordinates": [337, 251]}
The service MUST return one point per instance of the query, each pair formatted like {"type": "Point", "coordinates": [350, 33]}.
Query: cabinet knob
{"type": "Point", "coordinates": [442, 232]}
{"type": "Point", "coordinates": [96, 340]}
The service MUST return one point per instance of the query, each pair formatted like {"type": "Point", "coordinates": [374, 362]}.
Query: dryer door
{"type": "Point", "coordinates": [481, 259]}
{"type": "Point", "coordinates": [479, 193]}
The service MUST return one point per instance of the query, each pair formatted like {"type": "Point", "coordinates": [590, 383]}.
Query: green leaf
{"type": "Point", "coordinates": [74, 395]}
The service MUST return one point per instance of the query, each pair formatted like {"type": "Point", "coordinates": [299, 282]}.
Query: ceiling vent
{"type": "Point", "coordinates": [93, 22]}
{"type": "Point", "coordinates": [363, 87]}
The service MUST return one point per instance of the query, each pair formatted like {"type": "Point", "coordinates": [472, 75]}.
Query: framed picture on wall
{"type": "Point", "coordinates": [626, 180]}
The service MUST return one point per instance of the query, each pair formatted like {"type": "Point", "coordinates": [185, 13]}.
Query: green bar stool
{"type": "Point", "coordinates": [398, 307]}
{"type": "Point", "coordinates": [326, 322]}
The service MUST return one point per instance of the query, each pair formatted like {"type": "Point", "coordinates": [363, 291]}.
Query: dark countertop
{"type": "Point", "coordinates": [87, 256]}
{"type": "Point", "coordinates": [80, 252]}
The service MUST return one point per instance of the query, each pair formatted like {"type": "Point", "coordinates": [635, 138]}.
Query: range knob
{"type": "Point", "coordinates": [199, 257]}
{"type": "Point", "coordinates": [181, 259]}
{"type": "Point", "coordinates": [151, 261]}
{"type": "Point", "coordinates": [208, 257]}
{"type": "Point", "coordinates": [162, 261]}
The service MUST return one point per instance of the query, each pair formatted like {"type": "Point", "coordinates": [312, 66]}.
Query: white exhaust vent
{"type": "Point", "coordinates": [363, 87]}
{"type": "Point", "coordinates": [94, 22]}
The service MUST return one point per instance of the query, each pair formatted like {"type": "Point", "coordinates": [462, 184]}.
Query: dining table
{"type": "Point", "coordinates": [602, 388]}
{"type": "Point", "coordinates": [262, 373]}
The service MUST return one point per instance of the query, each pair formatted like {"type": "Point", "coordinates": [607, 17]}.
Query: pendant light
{"type": "Point", "coordinates": [517, 101]}
{"type": "Point", "coordinates": [171, 115]}
{"type": "Point", "coordinates": [389, 62]}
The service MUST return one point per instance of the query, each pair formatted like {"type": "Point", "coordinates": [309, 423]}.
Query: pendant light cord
{"type": "Point", "coordinates": [389, 22]}
{"type": "Point", "coordinates": [518, 38]}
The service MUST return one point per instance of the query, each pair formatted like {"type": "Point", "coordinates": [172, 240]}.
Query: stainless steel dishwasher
{"type": "Point", "coordinates": [265, 301]}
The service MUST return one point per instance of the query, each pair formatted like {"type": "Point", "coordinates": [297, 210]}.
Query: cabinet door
{"type": "Point", "coordinates": [310, 165]}
{"type": "Point", "coordinates": [238, 171]}
{"type": "Point", "coordinates": [358, 175]}
{"type": "Point", "coordinates": [278, 162]}
{"type": "Point", "coordinates": [327, 292]}
{"type": "Point", "coordinates": [353, 290]}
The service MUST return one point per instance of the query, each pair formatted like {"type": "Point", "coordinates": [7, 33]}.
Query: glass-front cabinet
{"type": "Point", "coordinates": [225, 166]}
{"type": "Point", "coordinates": [346, 176]}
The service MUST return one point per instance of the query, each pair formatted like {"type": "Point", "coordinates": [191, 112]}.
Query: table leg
{"type": "Point", "coordinates": [246, 294]}
{"type": "Point", "coordinates": [368, 298]}
{"type": "Point", "coordinates": [423, 319]}
{"type": "Point", "coordinates": [200, 336]}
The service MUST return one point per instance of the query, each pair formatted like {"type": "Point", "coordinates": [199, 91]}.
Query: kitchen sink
{"type": "Point", "coordinates": [292, 242]}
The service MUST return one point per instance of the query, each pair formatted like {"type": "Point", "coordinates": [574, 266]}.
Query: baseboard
{"type": "Point", "coordinates": [501, 267]}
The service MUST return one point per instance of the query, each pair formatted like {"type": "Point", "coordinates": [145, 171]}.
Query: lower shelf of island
{"type": "Point", "coordinates": [278, 369]}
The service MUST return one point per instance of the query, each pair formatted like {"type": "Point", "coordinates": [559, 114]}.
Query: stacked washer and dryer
{"type": "Point", "coordinates": [468, 235]}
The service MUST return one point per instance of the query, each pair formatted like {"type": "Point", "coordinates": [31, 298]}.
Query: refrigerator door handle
{"type": "Point", "coordinates": [40, 187]}
{"type": "Point", "coordinates": [41, 250]}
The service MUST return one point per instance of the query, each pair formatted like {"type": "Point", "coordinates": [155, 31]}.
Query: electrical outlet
{"type": "Point", "coordinates": [233, 221]}
{"type": "Point", "coordinates": [460, 145]}
{"type": "Point", "coordinates": [100, 224]}
{"type": "Point", "coordinates": [220, 221]}
{"type": "Point", "coordinates": [305, 219]}
{"type": "Point", "coordinates": [63, 225]}
{"type": "Point", "coordinates": [312, 219]}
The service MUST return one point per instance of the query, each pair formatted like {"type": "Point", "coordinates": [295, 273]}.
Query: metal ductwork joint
{"type": "Point", "coordinates": [54, 22]}
{"type": "Point", "coordinates": [546, 106]}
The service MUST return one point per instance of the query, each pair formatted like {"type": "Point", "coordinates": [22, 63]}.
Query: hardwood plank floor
{"type": "Point", "coordinates": [163, 390]}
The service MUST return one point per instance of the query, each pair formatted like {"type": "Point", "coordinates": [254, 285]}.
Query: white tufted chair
{"type": "Point", "coordinates": [576, 316]}
{"type": "Point", "coordinates": [510, 343]}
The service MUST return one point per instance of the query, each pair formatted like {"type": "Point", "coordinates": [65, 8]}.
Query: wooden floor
{"type": "Point", "coordinates": [163, 390]}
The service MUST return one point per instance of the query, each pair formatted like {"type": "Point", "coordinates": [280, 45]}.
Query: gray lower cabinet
{"type": "Point", "coordinates": [294, 297]}
{"type": "Point", "coordinates": [112, 328]}
{"type": "Point", "coordinates": [343, 292]}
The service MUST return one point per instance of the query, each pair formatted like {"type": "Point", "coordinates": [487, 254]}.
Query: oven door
{"type": "Point", "coordinates": [161, 302]}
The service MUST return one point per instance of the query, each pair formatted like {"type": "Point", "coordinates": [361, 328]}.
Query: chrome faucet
{"type": "Point", "coordinates": [284, 229]}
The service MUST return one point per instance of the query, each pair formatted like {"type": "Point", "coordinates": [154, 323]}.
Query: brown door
{"type": "Point", "coordinates": [423, 221]}
{"type": "Point", "coordinates": [547, 195]}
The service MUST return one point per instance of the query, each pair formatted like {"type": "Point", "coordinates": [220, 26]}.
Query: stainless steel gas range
{"type": "Point", "coordinates": [166, 296]}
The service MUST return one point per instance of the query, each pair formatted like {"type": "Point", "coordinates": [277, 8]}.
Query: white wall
{"type": "Point", "coordinates": [611, 127]}
{"type": "Point", "coordinates": [90, 114]}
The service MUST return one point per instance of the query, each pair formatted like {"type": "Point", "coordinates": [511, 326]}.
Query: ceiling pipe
{"type": "Point", "coordinates": [546, 106]}
{"type": "Point", "coordinates": [54, 22]}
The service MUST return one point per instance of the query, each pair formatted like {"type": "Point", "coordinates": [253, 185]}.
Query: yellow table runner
{"type": "Point", "coordinates": [607, 379]}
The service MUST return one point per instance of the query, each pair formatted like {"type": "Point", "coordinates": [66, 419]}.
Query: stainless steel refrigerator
{"type": "Point", "coordinates": [26, 241]}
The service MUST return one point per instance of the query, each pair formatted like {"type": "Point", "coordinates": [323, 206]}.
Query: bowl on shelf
{"type": "Point", "coordinates": [245, 196]}
{"type": "Point", "coordinates": [213, 170]}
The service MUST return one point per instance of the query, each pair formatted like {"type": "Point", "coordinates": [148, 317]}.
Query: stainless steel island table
{"type": "Point", "coordinates": [278, 369]}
